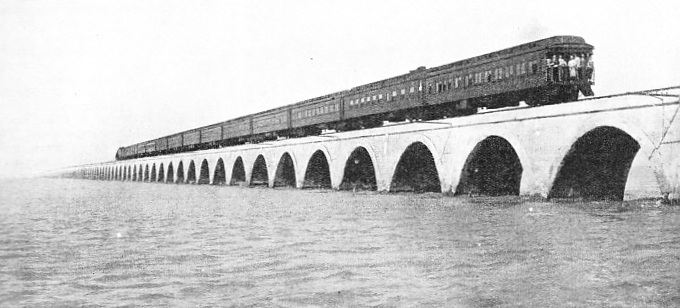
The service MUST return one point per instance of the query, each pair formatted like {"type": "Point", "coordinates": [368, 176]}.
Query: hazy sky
{"type": "Point", "coordinates": [78, 79]}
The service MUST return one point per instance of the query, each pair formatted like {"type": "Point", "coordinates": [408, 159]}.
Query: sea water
{"type": "Point", "coordinates": [81, 243]}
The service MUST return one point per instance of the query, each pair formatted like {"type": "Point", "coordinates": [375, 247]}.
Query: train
{"type": "Point", "coordinates": [529, 73]}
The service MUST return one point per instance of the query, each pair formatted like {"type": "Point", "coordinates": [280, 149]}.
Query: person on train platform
{"type": "Point", "coordinates": [590, 67]}
{"type": "Point", "coordinates": [572, 67]}
{"type": "Point", "coordinates": [580, 61]}
{"type": "Point", "coordinates": [563, 68]}
{"type": "Point", "coordinates": [555, 68]}
{"type": "Point", "coordinates": [549, 69]}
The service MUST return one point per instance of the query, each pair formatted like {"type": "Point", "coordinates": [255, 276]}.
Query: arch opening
{"type": "Point", "coordinates": [318, 174]}
{"type": "Point", "coordinates": [492, 168]}
{"type": "Point", "coordinates": [170, 178]}
{"type": "Point", "coordinates": [191, 173]}
{"type": "Point", "coordinates": [140, 176]}
{"type": "Point", "coordinates": [285, 172]}
{"type": "Point", "coordinates": [129, 173]}
{"type": "Point", "coordinates": [596, 166]}
{"type": "Point", "coordinates": [238, 172]}
{"type": "Point", "coordinates": [134, 174]}
{"type": "Point", "coordinates": [153, 173]}
{"type": "Point", "coordinates": [180, 173]}
{"type": "Point", "coordinates": [416, 171]}
{"type": "Point", "coordinates": [205, 173]}
{"type": "Point", "coordinates": [161, 173]}
{"type": "Point", "coordinates": [259, 175]}
{"type": "Point", "coordinates": [220, 177]}
{"type": "Point", "coordinates": [359, 172]}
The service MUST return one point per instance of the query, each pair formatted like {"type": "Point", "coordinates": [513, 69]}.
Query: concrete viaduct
{"type": "Point", "coordinates": [619, 147]}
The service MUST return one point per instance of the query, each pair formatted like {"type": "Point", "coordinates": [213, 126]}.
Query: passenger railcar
{"type": "Point", "coordinates": [536, 73]}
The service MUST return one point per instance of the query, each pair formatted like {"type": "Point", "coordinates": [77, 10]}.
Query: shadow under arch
{"type": "Point", "coordinates": [416, 171]}
{"type": "Point", "coordinates": [318, 173]}
{"type": "Point", "coordinates": [191, 173]}
{"type": "Point", "coordinates": [359, 172]}
{"type": "Point", "coordinates": [596, 166]}
{"type": "Point", "coordinates": [134, 173]}
{"type": "Point", "coordinates": [161, 173]}
{"type": "Point", "coordinates": [285, 172]}
{"type": "Point", "coordinates": [238, 172]}
{"type": "Point", "coordinates": [129, 173]}
{"type": "Point", "coordinates": [492, 168]}
{"type": "Point", "coordinates": [180, 173]}
{"type": "Point", "coordinates": [260, 175]}
{"type": "Point", "coordinates": [205, 173]}
{"type": "Point", "coordinates": [140, 176]}
{"type": "Point", "coordinates": [153, 173]}
{"type": "Point", "coordinates": [220, 177]}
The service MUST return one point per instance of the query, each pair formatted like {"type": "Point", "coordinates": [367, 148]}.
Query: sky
{"type": "Point", "coordinates": [78, 79]}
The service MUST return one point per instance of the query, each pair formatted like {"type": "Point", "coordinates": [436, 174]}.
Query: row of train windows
{"type": "Point", "coordinates": [487, 76]}
{"type": "Point", "coordinates": [316, 111]}
{"type": "Point", "coordinates": [377, 97]}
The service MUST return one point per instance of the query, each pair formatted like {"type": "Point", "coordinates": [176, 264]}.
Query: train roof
{"type": "Point", "coordinates": [526, 47]}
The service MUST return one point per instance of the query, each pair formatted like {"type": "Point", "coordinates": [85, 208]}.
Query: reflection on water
{"type": "Point", "coordinates": [80, 243]}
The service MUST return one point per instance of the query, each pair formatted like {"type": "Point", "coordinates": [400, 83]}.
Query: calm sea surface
{"type": "Point", "coordinates": [73, 243]}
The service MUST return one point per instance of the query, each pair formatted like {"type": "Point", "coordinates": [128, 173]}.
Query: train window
{"type": "Point", "coordinates": [375, 97]}
{"type": "Point", "coordinates": [534, 67]}
{"type": "Point", "coordinates": [450, 83]}
{"type": "Point", "coordinates": [362, 99]}
{"type": "Point", "coordinates": [379, 96]}
{"type": "Point", "coordinates": [517, 69]}
{"type": "Point", "coordinates": [403, 91]}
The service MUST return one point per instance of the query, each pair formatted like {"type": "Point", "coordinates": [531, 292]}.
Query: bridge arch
{"type": "Point", "coordinates": [260, 174]}
{"type": "Point", "coordinates": [491, 168]}
{"type": "Point", "coordinates": [416, 170]}
{"type": "Point", "coordinates": [180, 173]}
{"type": "Point", "coordinates": [140, 176]}
{"type": "Point", "coordinates": [134, 173]}
{"type": "Point", "coordinates": [360, 170]}
{"type": "Point", "coordinates": [191, 173]}
{"type": "Point", "coordinates": [238, 172]}
{"type": "Point", "coordinates": [153, 173]}
{"type": "Point", "coordinates": [596, 166]}
{"type": "Point", "coordinates": [285, 171]}
{"type": "Point", "coordinates": [220, 176]}
{"type": "Point", "coordinates": [318, 173]}
{"type": "Point", "coordinates": [170, 177]}
{"type": "Point", "coordinates": [205, 173]}
{"type": "Point", "coordinates": [161, 173]}
{"type": "Point", "coordinates": [597, 125]}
